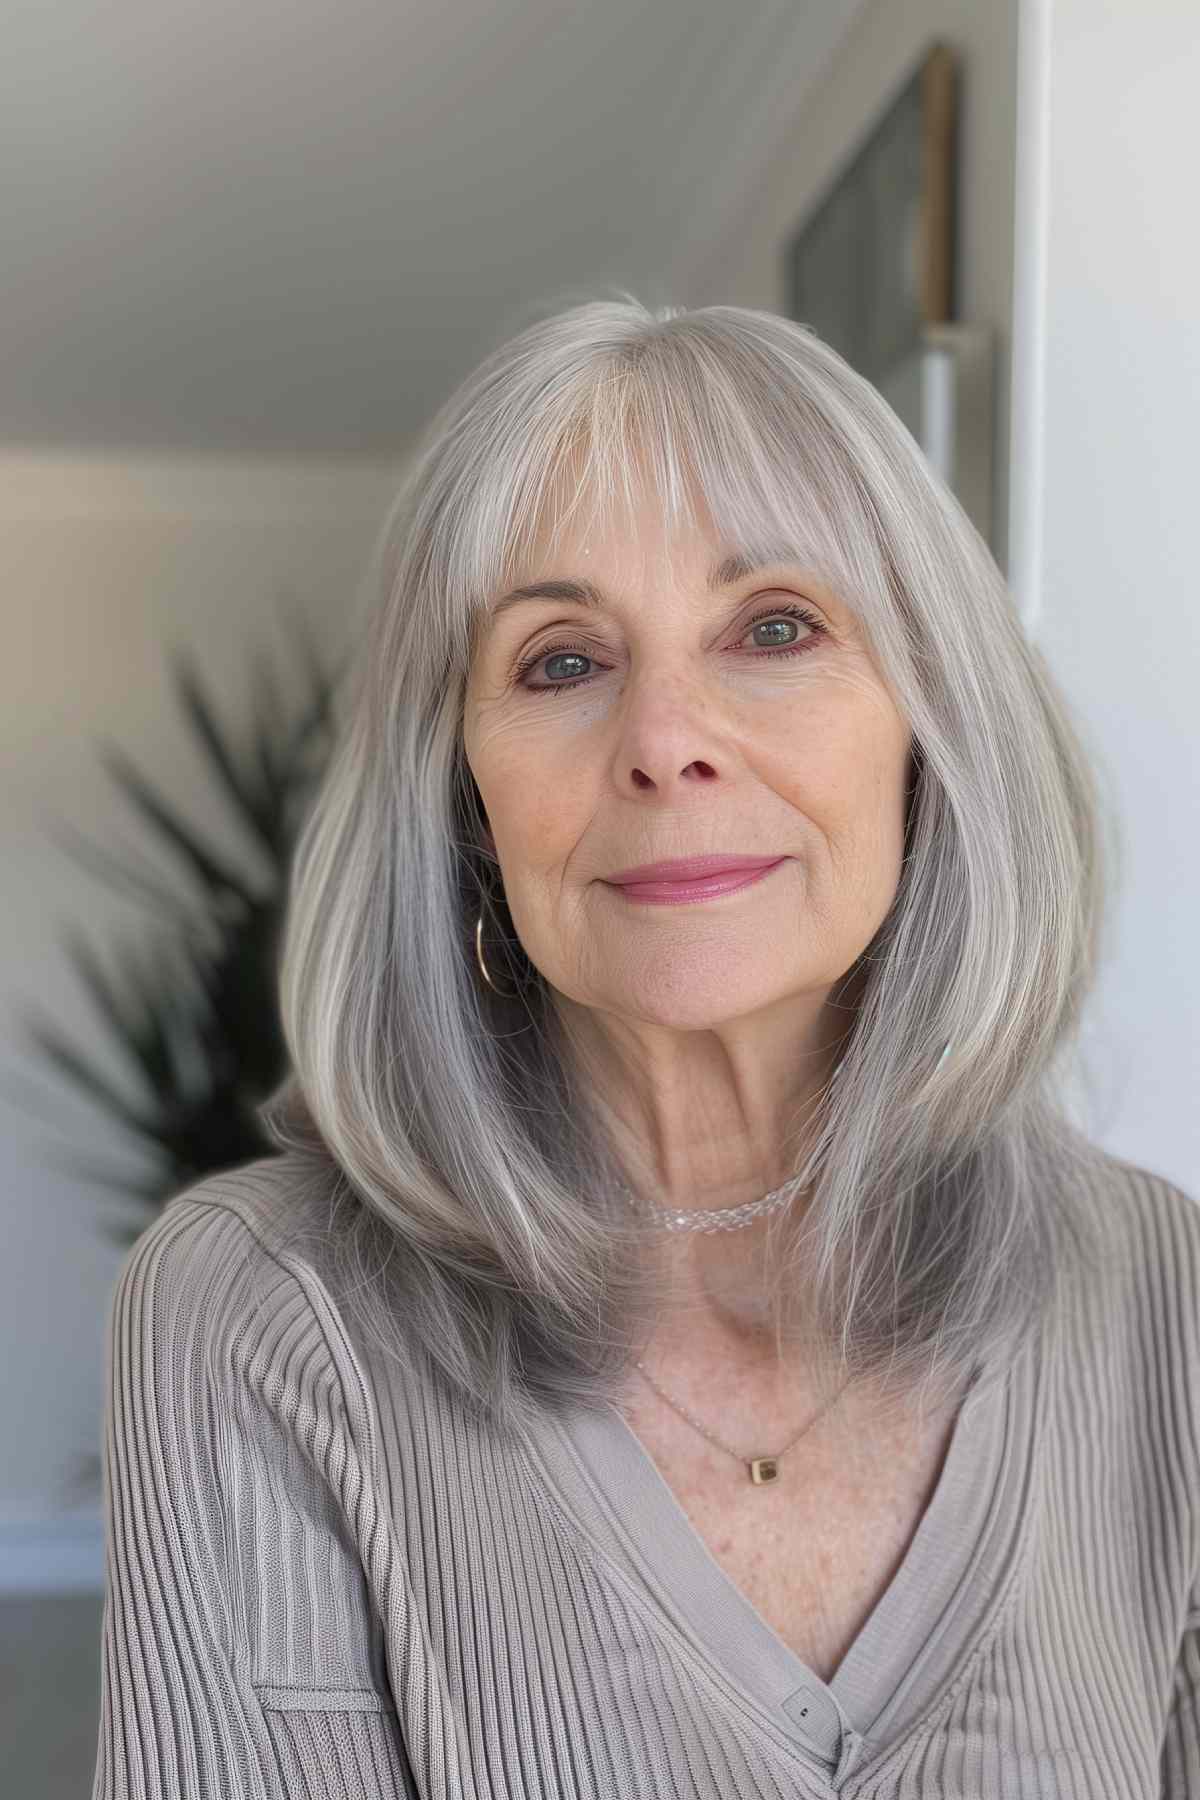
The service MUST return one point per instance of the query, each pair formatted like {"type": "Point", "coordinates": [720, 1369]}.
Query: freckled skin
{"type": "Point", "coordinates": [815, 1553]}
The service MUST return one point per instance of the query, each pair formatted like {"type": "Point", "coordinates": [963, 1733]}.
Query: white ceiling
{"type": "Point", "coordinates": [292, 225]}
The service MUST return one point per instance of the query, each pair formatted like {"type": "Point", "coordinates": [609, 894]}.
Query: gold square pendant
{"type": "Point", "coordinates": [763, 1469]}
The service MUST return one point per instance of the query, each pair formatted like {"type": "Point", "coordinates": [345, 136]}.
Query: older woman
{"type": "Point", "coordinates": [683, 1347]}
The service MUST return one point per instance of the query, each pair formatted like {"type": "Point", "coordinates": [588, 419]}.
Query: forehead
{"type": "Point", "coordinates": [631, 539]}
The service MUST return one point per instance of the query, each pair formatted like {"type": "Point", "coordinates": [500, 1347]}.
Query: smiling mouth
{"type": "Point", "coordinates": [664, 890]}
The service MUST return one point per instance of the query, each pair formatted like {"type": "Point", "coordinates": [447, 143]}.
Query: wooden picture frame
{"type": "Point", "coordinates": [872, 264]}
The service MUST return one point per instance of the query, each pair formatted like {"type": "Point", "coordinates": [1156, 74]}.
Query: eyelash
{"type": "Point", "coordinates": [770, 612]}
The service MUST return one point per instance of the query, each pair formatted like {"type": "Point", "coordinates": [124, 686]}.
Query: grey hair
{"type": "Point", "coordinates": [950, 1199]}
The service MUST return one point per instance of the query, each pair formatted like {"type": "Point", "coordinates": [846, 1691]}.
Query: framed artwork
{"type": "Point", "coordinates": [873, 263]}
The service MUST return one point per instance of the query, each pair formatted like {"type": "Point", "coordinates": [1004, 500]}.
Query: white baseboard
{"type": "Point", "coordinates": [63, 1555]}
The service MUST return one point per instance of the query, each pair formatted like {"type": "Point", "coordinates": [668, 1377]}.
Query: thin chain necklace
{"type": "Point", "coordinates": [762, 1469]}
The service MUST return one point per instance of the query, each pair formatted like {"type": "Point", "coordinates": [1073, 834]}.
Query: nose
{"type": "Point", "coordinates": [697, 770]}
{"type": "Point", "coordinates": [673, 733]}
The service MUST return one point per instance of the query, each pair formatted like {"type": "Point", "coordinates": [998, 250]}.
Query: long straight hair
{"type": "Point", "coordinates": [475, 1218]}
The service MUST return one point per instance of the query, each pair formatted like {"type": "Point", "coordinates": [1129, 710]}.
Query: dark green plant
{"type": "Point", "coordinates": [194, 1016]}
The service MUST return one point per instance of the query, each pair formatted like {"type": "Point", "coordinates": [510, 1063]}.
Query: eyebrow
{"type": "Point", "coordinates": [585, 593]}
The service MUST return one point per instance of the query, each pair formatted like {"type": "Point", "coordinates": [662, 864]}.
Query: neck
{"type": "Point", "coordinates": [705, 1121]}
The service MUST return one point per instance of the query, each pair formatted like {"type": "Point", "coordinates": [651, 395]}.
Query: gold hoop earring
{"type": "Point", "coordinates": [506, 994]}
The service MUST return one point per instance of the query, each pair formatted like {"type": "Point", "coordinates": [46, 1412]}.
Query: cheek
{"type": "Point", "coordinates": [502, 761]}
{"type": "Point", "coordinates": [879, 809]}
{"type": "Point", "coordinates": [850, 784]}
{"type": "Point", "coordinates": [538, 806]}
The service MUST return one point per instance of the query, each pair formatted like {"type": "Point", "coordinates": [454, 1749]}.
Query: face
{"type": "Point", "coordinates": [700, 721]}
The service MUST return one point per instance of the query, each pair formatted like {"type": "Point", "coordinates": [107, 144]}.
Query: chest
{"type": "Point", "coordinates": [814, 1552]}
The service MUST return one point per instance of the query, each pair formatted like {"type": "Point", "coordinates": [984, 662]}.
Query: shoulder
{"type": "Point", "coordinates": [1141, 1306]}
{"type": "Point", "coordinates": [1155, 1229]}
{"type": "Point", "coordinates": [272, 1213]}
{"type": "Point", "coordinates": [280, 1201]}
{"type": "Point", "coordinates": [228, 1286]}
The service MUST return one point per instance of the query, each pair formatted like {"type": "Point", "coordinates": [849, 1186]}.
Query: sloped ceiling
{"type": "Point", "coordinates": [274, 227]}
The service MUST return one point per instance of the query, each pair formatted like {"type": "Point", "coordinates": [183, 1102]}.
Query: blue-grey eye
{"type": "Point", "coordinates": [565, 656]}
{"type": "Point", "coordinates": [778, 626]}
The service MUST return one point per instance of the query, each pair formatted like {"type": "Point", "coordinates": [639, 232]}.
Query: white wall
{"type": "Point", "coordinates": [1104, 504]}
{"type": "Point", "coordinates": [876, 55]}
{"type": "Point", "coordinates": [106, 564]}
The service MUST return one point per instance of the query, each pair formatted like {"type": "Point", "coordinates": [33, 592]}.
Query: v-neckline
{"type": "Point", "coordinates": [934, 1612]}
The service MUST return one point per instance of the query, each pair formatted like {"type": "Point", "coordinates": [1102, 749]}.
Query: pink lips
{"type": "Point", "coordinates": [692, 877]}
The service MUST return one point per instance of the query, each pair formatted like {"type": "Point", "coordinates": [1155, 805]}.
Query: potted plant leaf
{"type": "Point", "coordinates": [193, 1015]}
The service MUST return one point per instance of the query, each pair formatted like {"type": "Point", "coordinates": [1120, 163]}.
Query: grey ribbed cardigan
{"type": "Point", "coordinates": [324, 1580]}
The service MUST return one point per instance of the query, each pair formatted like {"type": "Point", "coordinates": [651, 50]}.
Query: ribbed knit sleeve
{"type": "Point", "coordinates": [1181, 1743]}
{"type": "Point", "coordinates": [232, 1458]}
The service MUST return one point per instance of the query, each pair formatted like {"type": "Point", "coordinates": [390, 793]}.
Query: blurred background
{"type": "Point", "coordinates": [246, 252]}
